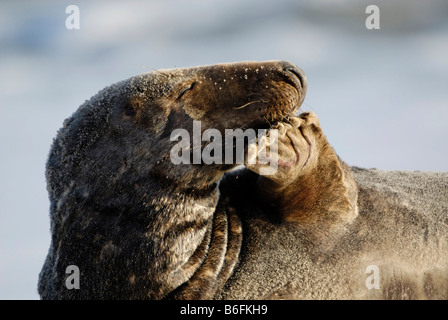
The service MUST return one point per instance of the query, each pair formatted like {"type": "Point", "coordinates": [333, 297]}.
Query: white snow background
{"type": "Point", "coordinates": [381, 95]}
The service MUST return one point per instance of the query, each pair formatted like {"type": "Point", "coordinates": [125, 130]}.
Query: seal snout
{"type": "Point", "coordinates": [297, 76]}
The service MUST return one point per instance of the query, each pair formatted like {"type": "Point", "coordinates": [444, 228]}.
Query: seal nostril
{"type": "Point", "coordinates": [298, 73]}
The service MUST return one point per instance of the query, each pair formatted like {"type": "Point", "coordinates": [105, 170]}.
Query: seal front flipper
{"type": "Point", "coordinates": [312, 185]}
{"type": "Point", "coordinates": [222, 256]}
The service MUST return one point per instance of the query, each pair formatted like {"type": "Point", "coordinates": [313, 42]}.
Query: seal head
{"type": "Point", "coordinates": [137, 225]}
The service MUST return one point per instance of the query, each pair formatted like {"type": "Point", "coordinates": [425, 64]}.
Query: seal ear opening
{"type": "Point", "coordinates": [129, 109]}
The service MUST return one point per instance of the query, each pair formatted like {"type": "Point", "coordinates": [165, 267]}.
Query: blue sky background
{"type": "Point", "coordinates": [381, 95]}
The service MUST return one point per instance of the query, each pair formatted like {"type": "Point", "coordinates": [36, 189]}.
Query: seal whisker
{"type": "Point", "coordinates": [279, 111]}
{"type": "Point", "coordinates": [267, 121]}
{"type": "Point", "coordinates": [245, 105]}
{"type": "Point", "coordinates": [146, 67]}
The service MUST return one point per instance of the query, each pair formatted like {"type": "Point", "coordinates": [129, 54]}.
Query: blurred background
{"type": "Point", "coordinates": [381, 95]}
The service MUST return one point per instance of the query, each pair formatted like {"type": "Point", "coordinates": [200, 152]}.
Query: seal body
{"type": "Point", "coordinates": [319, 229]}
{"type": "Point", "coordinates": [139, 226]}
{"type": "Point", "coordinates": [395, 248]}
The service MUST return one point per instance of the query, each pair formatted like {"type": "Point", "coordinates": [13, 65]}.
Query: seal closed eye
{"type": "Point", "coordinates": [187, 89]}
